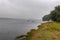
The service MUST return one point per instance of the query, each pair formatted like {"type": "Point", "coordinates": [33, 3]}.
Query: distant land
{"type": "Point", "coordinates": [26, 20]}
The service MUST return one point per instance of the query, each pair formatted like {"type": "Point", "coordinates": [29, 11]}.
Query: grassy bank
{"type": "Point", "coordinates": [45, 31]}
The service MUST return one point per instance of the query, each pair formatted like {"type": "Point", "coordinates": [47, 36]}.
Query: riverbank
{"type": "Point", "coordinates": [45, 31]}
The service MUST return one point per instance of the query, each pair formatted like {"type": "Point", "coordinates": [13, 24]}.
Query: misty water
{"type": "Point", "coordinates": [10, 28]}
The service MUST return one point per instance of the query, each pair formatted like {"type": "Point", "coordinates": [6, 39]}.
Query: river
{"type": "Point", "coordinates": [10, 28]}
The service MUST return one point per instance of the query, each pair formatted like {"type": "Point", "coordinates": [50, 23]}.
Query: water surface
{"type": "Point", "coordinates": [10, 28]}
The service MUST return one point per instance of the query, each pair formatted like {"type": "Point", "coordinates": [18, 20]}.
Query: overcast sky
{"type": "Point", "coordinates": [26, 8]}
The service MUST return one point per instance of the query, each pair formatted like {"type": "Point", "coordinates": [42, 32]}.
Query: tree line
{"type": "Point", "coordinates": [54, 15]}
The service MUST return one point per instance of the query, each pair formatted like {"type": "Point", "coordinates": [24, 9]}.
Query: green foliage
{"type": "Point", "coordinates": [46, 18]}
{"type": "Point", "coordinates": [54, 15]}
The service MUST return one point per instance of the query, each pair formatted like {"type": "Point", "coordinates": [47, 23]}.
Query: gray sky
{"type": "Point", "coordinates": [26, 8]}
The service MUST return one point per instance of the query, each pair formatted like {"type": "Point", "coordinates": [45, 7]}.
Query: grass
{"type": "Point", "coordinates": [45, 31]}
